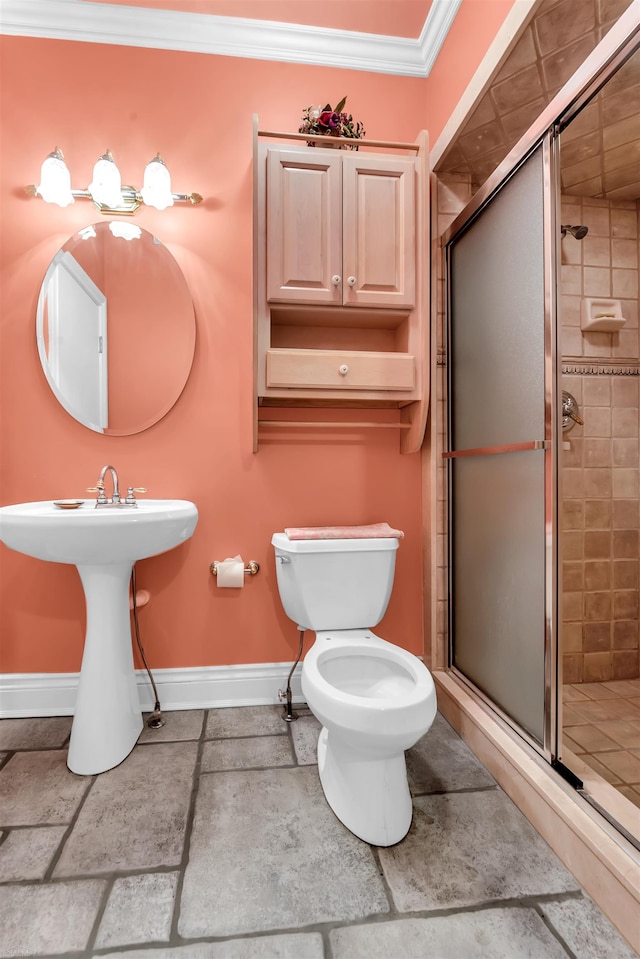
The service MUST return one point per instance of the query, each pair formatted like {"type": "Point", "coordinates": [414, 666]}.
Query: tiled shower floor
{"type": "Point", "coordinates": [601, 731]}
{"type": "Point", "coordinates": [601, 723]}
{"type": "Point", "coordinates": [213, 840]}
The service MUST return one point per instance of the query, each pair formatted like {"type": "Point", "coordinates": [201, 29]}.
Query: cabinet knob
{"type": "Point", "coordinates": [335, 279]}
{"type": "Point", "coordinates": [351, 281]}
{"type": "Point", "coordinates": [343, 370]}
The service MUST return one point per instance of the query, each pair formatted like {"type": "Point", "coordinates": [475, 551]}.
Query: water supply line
{"type": "Point", "coordinates": [289, 716]}
{"type": "Point", "coordinates": [155, 720]}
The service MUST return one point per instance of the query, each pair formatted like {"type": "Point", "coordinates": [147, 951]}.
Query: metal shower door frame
{"type": "Point", "coordinates": [547, 443]}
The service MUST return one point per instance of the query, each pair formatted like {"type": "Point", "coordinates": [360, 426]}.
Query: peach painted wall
{"type": "Point", "coordinates": [197, 110]}
{"type": "Point", "coordinates": [472, 32]}
{"type": "Point", "coordinates": [145, 297]}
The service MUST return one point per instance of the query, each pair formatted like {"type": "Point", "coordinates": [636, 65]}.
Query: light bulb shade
{"type": "Point", "coordinates": [55, 181]}
{"type": "Point", "coordinates": [156, 189]}
{"type": "Point", "coordinates": [125, 231]}
{"type": "Point", "coordinates": [106, 186]}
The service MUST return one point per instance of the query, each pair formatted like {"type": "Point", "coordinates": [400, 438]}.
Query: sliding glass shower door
{"type": "Point", "coordinates": [501, 356]}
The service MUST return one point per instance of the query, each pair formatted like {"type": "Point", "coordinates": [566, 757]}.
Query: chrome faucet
{"type": "Point", "coordinates": [130, 499]}
{"type": "Point", "coordinates": [114, 477]}
{"type": "Point", "coordinates": [99, 487]}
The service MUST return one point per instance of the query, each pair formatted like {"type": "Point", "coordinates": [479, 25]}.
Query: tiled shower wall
{"type": "Point", "coordinates": [599, 511]}
{"type": "Point", "coordinates": [450, 194]}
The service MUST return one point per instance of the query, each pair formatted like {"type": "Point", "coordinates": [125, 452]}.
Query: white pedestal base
{"type": "Point", "coordinates": [370, 796]}
{"type": "Point", "coordinates": [107, 719]}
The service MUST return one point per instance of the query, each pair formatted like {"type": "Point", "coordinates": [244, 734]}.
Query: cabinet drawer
{"type": "Point", "coordinates": [339, 370]}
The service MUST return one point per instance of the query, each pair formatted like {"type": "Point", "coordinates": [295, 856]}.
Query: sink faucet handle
{"type": "Point", "coordinates": [132, 490]}
{"type": "Point", "coordinates": [99, 489]}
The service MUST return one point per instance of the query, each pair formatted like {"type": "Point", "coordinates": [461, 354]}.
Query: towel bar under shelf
{"type": "Point", "coordinates": [303, 424]}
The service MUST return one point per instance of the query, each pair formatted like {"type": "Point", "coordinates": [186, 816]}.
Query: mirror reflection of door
{"type": "Point", "coordinates": [77, 341]}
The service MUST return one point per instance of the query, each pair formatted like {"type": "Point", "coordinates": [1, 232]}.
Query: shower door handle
{"type": "Point", "coordinates": [494, 450]}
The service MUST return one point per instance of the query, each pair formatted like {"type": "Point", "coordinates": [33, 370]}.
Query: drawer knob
{"type": "Point", "coordinates": [351, 281]}
{"type": "Point", "coordinates": [335, 279]}
{"type": "Point", "coordinates": [343, 370]}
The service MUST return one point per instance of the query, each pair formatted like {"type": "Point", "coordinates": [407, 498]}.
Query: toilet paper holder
{"type": "Point", "coordinates": [250, 569]}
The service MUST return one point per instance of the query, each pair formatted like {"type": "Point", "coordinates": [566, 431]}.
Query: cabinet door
{"type": "Point", "coordinates": [379, 231]}
{"type": "Point", "coordinates": [304, 227]}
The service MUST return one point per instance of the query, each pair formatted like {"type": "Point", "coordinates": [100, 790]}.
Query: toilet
{"type": "Point", "coordinates": [374, 699]}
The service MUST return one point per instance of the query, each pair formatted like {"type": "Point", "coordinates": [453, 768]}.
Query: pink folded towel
{"type": "Point", "coordinates": [375, 531]}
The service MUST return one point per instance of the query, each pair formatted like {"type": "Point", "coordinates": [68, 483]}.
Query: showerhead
{"type": "Point", "coordinates": [579, 232]}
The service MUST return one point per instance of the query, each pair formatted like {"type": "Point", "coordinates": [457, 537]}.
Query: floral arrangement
{"type": "Point", "coordinates": [327, 121]}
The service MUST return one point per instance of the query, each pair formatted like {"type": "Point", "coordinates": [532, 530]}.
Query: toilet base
{"type": "Point", "coordinates": [369, 796]}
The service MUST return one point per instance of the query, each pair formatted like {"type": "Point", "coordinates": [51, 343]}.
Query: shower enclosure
{"type": "Point", "coordinates": [543, 522]}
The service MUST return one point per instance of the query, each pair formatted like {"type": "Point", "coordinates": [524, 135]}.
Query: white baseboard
{"type": "Point", "coordinates": [204, 687]}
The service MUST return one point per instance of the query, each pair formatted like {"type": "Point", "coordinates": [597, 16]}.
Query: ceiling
{"type": "Point", "coordinates": [600, 149]}
{"type": "Point", "coordinates": [393, 18]}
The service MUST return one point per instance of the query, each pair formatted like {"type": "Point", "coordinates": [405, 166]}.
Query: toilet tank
{"type": "Point", "coordinates": [335, 583]}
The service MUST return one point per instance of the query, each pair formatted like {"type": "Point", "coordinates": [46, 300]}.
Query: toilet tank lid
{"type": "Point", "coordinates": [282, 542]}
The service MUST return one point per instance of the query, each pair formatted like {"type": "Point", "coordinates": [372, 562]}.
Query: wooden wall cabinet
{"type": "Point", "coordinates": [341, 282]}
{"type": "Point", "coordinates": [341, 228]}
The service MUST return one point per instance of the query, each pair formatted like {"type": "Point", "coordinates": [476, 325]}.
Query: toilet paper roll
{"type": "Point", "coordinates": [231, 572]}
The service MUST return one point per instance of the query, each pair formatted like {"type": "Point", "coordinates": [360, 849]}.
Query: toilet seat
{"type": "Point", "coordinates": [397, 682]}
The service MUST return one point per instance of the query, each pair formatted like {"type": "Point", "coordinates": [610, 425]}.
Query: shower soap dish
{"type": "Point", "coordinates": [600, 315]}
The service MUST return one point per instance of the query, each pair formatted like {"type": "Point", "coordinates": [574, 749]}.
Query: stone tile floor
{"type": "Point", "coordinates": [213, 840]}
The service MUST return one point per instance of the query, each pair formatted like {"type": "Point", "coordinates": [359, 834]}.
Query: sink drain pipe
{"type": "Point", "coordinates": [289, 716]}
{"type": "Point", "coordinates": [156, 719]}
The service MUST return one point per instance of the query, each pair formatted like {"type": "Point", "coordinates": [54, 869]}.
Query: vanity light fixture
{"type": "Point", "coordinates": [106, 188]}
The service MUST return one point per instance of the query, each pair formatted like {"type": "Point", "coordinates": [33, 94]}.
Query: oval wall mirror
{"type": "Point", "coordinates": [116, 328]}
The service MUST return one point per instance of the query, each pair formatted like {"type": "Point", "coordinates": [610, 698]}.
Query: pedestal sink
{"type": "Point", "coordinates": [103, 544]}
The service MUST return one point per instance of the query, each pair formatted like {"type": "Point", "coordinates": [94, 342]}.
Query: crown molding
{"type": "Point", "coordinates": [90, 22]}
{"type": "Point", "coordinates": [441, 15]}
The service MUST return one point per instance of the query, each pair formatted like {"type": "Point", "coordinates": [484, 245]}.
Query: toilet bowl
{"type": "Point", "coordinates": [374, 699]}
